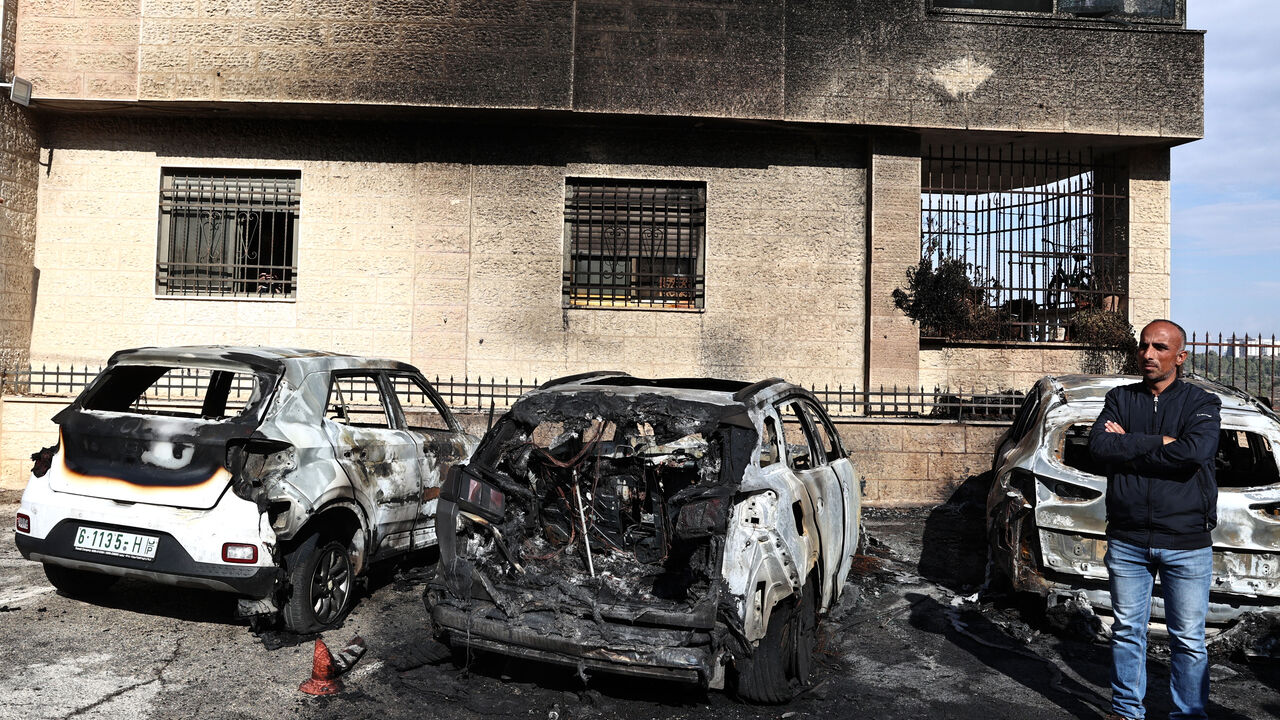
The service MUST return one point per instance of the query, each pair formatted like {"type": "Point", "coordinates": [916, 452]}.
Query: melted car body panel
{"type": "Point", "coordinates": [1047, 519]}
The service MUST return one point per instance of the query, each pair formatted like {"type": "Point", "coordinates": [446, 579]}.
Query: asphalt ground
{"type": "Point", "coordinates": [910, 640]}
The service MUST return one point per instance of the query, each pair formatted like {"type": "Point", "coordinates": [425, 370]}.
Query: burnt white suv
{"type": "Point", "coordinates": [275, 474]}
{"type": "Point", "coordinates": [689, 529]}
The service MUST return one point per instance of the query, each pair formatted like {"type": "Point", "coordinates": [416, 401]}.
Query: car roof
{"type": "Point", "coordinates": [1094, 388]}
{"type": "Point", "coordinates": [264, 358]}
{"type": "Point", "coordinates": [709, 391]}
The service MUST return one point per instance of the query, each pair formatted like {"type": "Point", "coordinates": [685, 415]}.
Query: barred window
{"type": "Point", "coordinates": [1036, 237]}
{"type": "Point", "coordinates": [227, 233]}
{"type": "Point", "coordinates": [634, 243]}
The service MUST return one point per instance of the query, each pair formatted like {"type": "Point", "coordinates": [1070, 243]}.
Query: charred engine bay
{"type": "Point", "coordinates": [615, 507]}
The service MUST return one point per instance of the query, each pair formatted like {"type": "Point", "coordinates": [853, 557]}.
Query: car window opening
{"type": "Point", "coordinates": [185, 392]}
{"type": "Point", "coordinates": [1245, 459]}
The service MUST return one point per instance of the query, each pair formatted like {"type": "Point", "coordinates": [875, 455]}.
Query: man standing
{"type": "Point", "coordinates": [1158, 439]}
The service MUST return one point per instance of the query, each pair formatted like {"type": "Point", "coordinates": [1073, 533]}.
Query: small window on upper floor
{"type": "Point", "coordinates": [228, 233]}
{"type": "Point", "coordinates": [634, 244]}
{"type": "Point", "coordinates": [1138, 9]}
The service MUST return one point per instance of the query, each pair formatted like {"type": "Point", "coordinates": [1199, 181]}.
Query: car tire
{"type": "Point", "coordinates": [78, 583]}
{"type": "Point", "coordinates": [783, 661]}
{"type": "Point", "coordinates": [321, 585]}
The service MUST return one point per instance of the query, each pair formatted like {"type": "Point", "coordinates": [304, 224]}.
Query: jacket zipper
{"type": "Point", "coordinates": [1155, 416]}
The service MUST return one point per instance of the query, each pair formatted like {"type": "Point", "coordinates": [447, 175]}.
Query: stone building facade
{"type": "Point", "coordinates": [430, 150]}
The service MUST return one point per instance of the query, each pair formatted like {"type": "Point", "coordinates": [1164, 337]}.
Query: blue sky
{"type": "Point", "coordinates": [1226, 187]}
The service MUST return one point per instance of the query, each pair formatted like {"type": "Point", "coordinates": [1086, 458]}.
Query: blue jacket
{"type": "Point", "coordinates": [1161, 496]}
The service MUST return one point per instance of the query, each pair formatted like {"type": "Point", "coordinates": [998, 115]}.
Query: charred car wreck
{"type": "Point", "coordinates": [278, 475]}
{"type": "Point", "coordinates": [1046, 512]}
{"type": "Point", "coordinates": [670, 528]}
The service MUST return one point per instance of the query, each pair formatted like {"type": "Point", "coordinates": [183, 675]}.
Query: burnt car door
{"type": "Point", "coordinates": [809, 458]}
{"type": "Point", "coordinates": [381, 460]}
{"type": "Point", "coordinates": [441, 444]}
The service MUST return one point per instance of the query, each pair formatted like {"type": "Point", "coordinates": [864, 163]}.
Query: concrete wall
{"type": "Point", "coordinates": [903, 462]}
{"type": "Point", "coordinates": [19, 155]}
{"type": "Point", "coordinates": [917, 462]}
{"type": "Point", "coordinates": [874, 62]}
{"type": "Point", "coordinates": [443, 245]}
{"type": "Point", "coordinates": [25, 427]}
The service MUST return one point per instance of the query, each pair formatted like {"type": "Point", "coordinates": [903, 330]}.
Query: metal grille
{"type": "Point", "coordinates": [1042, 235]}
{"type": "Point", "coordinates": [479, 395]}
{"type": "Point", "coordinates": [228, 234]}
{"type": "Point", "coordinates": [1248, 362]}
{"type": "Point", "coordinates": [633, 243]}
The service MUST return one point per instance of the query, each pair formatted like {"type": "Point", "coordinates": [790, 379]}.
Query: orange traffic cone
{"type": "Point", "coordinates": [324, 676]}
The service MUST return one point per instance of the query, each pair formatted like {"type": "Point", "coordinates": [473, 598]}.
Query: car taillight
{"type": "Point", "coordinates": [239, 553]}
{"type": "Point", "coordinates": [474, 495]}
{"type": "Point", "coordinates": [24, 523]}
{"type": "Point", "coordinates": [702, 517]}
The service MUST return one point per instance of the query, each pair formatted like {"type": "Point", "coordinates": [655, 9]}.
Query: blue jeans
{"type": "Point", "coordinates": [1185, 576]}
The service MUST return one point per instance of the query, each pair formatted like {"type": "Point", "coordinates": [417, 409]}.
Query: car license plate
{"type": "Point", "coordinates": [114, 542]}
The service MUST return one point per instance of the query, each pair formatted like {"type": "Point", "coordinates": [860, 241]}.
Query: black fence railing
{"type": "Point", "coordinates": [480, 394]}
{"type": "Point", "coordinates": [1247, 362]}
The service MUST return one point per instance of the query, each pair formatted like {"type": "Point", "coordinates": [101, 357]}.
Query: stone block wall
{"type": "Point", "coordinates": [19, 158]}
{"type": "Point", "coordinates": [994, 368]}
{"type": "Point", "coordinates": [912, 462]}
{"type": "Point", "coordinates": [872, 62]}
{"type": "Point", "coordinates": [444, 246]}
{"type": "Point", "coordinates": [25, 427]}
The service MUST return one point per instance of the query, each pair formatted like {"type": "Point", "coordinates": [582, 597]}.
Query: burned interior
{"type": "Point", "coordinates": [643, 527]}
{"type": "Point", "coordinates": [613, 505]}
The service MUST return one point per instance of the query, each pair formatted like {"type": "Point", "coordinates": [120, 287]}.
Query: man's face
{"type": "Point", "coordinates": [1160, 352]}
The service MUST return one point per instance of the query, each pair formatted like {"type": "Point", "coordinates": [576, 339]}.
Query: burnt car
{"type": "Point", "coordinates": [687, 529]}
{"type": "Point", "coordinates": [279, 475]}
{"type": "Point", "coordinates": [1046, 510]}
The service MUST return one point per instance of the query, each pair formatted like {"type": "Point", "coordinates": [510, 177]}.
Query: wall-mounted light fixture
{"type": "Point", "coordinates": [19, 90]}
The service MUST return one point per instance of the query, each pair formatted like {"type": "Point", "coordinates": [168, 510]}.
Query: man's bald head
{"type": "Point", "coordinates": [1182, 334]}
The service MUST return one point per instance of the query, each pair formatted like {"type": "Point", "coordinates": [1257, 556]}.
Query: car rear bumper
{"type": "Point", "coordinates": [671, 654]}
{"type": "Point", "coordinates": [189, 550]}
{"type": "Point", "coordinates": [172, 564]}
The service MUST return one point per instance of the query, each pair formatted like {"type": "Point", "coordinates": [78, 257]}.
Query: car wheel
{"type": "Point", "coordinates": [320, 585]}
{"type": "Point", "coordinates": [78, 583]}
{"type": "Point", "coordinates": [783, 661]}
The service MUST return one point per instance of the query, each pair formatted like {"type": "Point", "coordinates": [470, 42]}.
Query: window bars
{"type": "Point", "coordinates": [634, 243]}
{"type": "Point", "coordinates": [228, 233]}
{"type": "Point", "coordinates": [1042, 235]}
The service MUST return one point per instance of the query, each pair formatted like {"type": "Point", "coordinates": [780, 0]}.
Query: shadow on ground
{"type": "Point", "coordinates": [953, 549]}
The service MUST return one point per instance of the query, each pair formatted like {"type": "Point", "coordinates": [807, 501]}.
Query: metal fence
{"type": "Point", "coordinates": [1246, 361]}
{"type": "Point", "coordinates": [480, 394]}
{"type": "Point", "coordinates": [1040, 234]}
